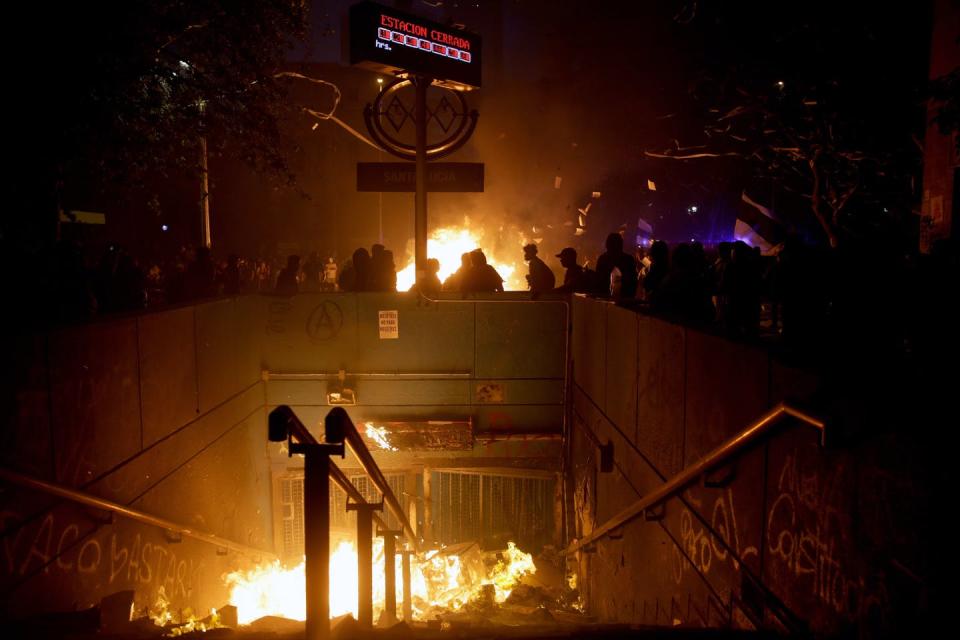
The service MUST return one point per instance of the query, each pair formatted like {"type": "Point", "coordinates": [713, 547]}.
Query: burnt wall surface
{"type": "Point", "coordinates": [499, 362]}
{"type": "Point", "coordinates": [163, 412]}
{"type": "Point", "coordinates": [495, 362]}
{"type": "Point", "coordinates": [788, 534]}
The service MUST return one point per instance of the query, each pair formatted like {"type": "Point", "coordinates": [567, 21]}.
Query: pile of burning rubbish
{"type": "Point", "coordinates": [458, 584]}
{"type": "Point", "coordinates": [456, 587]}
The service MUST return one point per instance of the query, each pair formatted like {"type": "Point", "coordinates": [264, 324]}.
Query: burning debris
{"type": "Point", "coordinates": [456, 583]}
{"type": "Point", "coordinates": [447, 244]}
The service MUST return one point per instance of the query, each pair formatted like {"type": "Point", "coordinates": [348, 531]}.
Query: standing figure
{"type": "Point", "coordinates": [541, 278]}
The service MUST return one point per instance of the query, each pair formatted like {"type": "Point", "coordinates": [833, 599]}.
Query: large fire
{"type": "Point", "coordinates": [447, 244]}
{"type": "Point", "coordinates": [439, 580]}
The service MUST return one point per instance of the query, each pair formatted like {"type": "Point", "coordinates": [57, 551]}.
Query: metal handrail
{"type": "Point", "coordinates": [686, 477]}
{"type": "Point", "coordinates": [300, 433]}
{"type": "Point", "coordinates": [89, 500]}
{"type": "Point", "coordinates": [359, 448]}
{"type": "Point", "coordinates": [353, 439]}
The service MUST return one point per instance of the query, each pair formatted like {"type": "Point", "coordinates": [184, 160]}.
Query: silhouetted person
{"type": "Point", "coordinates": [355, 275]}
{"type": "Point", "coordinates": [482, 278]}
{"type": "Point", "coordinates": [682, 291]}
{"type": "Point", "coordinates": [576, 279]}
{"type": "Point", "coordinates": [200, 278]}
{"type": "Point", "coordinates": [287, 280]}
{"type": "Point", "coordinates": [657, 271]}
{"type": "Point", "coordinates": [312, 269]}
{"type": "Point", "coordinates": [541, 278]}
{"type": "Point", "coordinates": [388, 273]}
{"type": "Point", "coordinates": [614, 259]}
{"type": "Point", "coordinates": [383, 271]}
{"type": "Point", "coordinates": [429, 282]}
{"type": "Point", "coordinates": [456, 280]}
{"type": "Point", "coordinates": [231, 276]}
{"type": "Point", "coordinates": [740, 292]}
{"type": "Point", "coordinates": [330, 275]}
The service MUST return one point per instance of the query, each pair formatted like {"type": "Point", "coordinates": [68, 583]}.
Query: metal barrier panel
{"type": "Point", "coordinates": [491, 508]}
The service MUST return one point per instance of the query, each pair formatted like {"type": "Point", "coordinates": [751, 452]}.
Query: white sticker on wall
{"type": "Point", "coordinates": [389, 325]}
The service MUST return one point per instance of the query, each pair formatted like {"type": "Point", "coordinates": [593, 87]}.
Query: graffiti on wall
{"type": "Point", "coordinates": [59, 545]}
{"type": "Point", "coordinates": [808, 534]}
{"type": "Point", "coordinates": [703, 548]}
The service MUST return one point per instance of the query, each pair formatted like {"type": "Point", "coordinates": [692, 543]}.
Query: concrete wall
{"type": "Point", "coordinates": [497, 362]}
{"type": "Point", "coordinates": [833, 535]}
{"type": "Point", "coordinates": [163, 412]}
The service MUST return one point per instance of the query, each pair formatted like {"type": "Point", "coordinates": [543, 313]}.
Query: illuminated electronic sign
{"type": "Point", "coordinates": [389, 41]}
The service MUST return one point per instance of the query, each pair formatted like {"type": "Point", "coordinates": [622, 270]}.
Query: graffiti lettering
{"type": "Point", "coordinates": [145, 564]}
{"type": "Point", "coordinates": [92, 563]}
{"type": "Point", "coordinates": [46, 532]}
{"type": "Point", "coordinates": [61, 563]}
{"type": "Point", "coordinates": [703, 547]}
{"type": "Point", "coordinates": [325, 321]}
{"type": "Point", "coordinates": [806, 532]}
{"type": "Point", "coordinates": [115, 553]}
{"type": "Point", "coordinates": [132, 561]}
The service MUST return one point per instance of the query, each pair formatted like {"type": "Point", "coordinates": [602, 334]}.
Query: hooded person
{"type": "Point", "coordinates": [483, 278]}
{"type": "Point", "coordinates": [541, 278]}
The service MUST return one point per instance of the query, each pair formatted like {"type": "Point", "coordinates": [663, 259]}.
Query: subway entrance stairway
{"type": "Point", "coordinates": [551, 468]}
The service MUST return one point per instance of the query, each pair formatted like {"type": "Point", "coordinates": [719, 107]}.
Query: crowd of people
{"type": "Point", "coordinates": [118, 281]}
{"type": "Point", "coordinates": [726, 287]}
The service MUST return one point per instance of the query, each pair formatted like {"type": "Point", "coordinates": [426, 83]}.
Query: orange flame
{"type": "Point", "coordinates": [447, 244]}
{"type": "Point", "coordinates": [437, 580]}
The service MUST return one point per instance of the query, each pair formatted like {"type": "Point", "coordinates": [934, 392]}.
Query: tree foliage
{"type": "Point", "coordinates": [126, 89]}
{"type": "Point", "coordinates": [821, 101]}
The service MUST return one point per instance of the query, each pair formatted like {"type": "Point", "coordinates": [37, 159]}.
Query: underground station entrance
{"type": "Point", "coordinates": [359, 465]}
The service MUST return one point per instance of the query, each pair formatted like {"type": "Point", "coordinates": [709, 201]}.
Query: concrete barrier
{"type": "Point", "coordinates": [830, 538]}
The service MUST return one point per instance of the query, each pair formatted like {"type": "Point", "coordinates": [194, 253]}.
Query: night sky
{"type": "Point", "coordinates": [574, 97]}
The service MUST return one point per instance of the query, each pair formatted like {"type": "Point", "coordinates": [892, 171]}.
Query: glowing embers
{"type": "Point", "coordinates": [441, 580]}
{"type": "Point", "coordinates": [162, 616]}
{"type": "Point", "coordinates": [379, 436]}
{"type": "Point", "coordinates": [423, 435]}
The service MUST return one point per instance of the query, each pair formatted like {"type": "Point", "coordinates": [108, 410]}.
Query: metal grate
{"type": "Point", "coordinates": [291, 507]}
{"type": "Point", "coordinates": [491, 508]}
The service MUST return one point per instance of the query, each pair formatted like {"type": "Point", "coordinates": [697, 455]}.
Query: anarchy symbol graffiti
{"type": "Point", "coordinates": [325, 321]}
